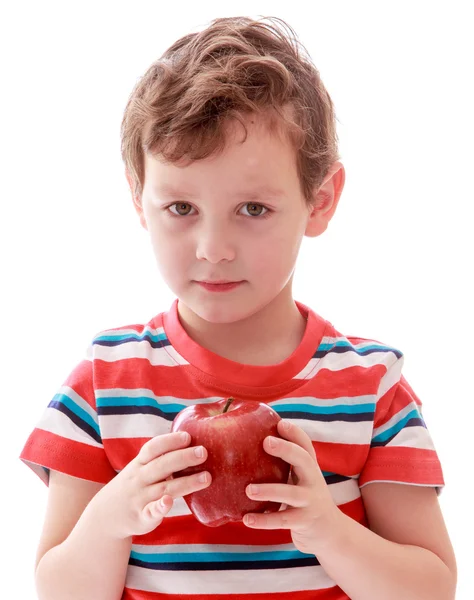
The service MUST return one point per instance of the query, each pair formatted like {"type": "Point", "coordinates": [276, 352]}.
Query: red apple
{"type": "Point", "coordinates": [232, 431]}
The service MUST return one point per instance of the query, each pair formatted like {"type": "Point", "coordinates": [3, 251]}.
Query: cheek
{"type": "Point", "coordinates": [172, 252]}
{"type": "Point", "coordinates": [275, 256]}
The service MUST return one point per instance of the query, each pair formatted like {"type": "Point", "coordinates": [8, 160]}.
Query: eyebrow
{"type": "Point", "coordinates": [258, 192]}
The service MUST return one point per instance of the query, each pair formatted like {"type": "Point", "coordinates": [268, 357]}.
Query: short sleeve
{"type": "Point", "coordinates": [67, 436]}
{"type": "Point", "coordinates": [401, 449]}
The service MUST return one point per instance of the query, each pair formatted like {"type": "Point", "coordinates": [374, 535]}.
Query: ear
{"type": "Point", "coordinates": [137, 203]}
{"type": "Point", "coordinates": [325, 200]}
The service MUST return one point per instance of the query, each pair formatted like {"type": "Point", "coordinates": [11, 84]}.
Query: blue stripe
{"type": "Point", "coordinates": [223, 557]}
{"type": "Point", "coordinates": [155, 340]}
{"type": "Point", "coordinates": [302, 408]}
{"type": "Point", "coordinates": [341, 346]}
{"type": "Point", "coordinates": [117, 337]}
{"type": "Point", "coordinates": [326, 410]}
{"type": "Point", "coordinates": [74, 408]}
{"type": "Point", "coordinates": [139, 401]}
{"type": "Point", "coordinates": [393, 431]}
{"type": "Point", "coordinates": [310, 560]}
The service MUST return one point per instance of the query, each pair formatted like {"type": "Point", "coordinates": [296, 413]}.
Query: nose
{"type": "Point", "coordinates": [214, 244]}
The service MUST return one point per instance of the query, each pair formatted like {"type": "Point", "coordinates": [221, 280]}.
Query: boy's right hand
{"type": "Point", "coordinates": [138, 498]}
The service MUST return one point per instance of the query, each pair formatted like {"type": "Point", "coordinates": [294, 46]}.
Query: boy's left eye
{"type": "Point", "coordinates": [257, 207]}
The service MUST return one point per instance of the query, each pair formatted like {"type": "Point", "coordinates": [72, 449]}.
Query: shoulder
{"type": "Point", "coordinates": [152, 332]}
{"type": "Point", "coordinates": [360, 349]}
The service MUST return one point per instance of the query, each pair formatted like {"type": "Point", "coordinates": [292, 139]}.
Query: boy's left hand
{"type": "Point", "coordinates": [313, 513]}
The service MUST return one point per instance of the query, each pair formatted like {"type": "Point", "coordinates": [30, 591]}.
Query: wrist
{"type": "Point", "coordinates": [330, 532]}
{"type": "Point", "coordinates": [99, 516]}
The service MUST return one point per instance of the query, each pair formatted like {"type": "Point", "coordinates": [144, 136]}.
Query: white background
{"type": "Point", "coordinates": [395, 265]}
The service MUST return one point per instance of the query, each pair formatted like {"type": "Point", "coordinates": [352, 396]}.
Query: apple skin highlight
{"type": "Point", "coordinates": [233, 432]}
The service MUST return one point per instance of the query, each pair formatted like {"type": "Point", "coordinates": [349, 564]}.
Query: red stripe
{"type": "Point", "coordinates": [403, 464]}
{"type": "Point", "coordinates": [68, 456]}
{"type": "Point", "coordinates": [334, 593]}
{"type": "Point", "coordinates": [180, 380]}
{"type": "Point", "coordinates": [187, 529]}
{"type": "Point", "coordinates": [80, 380]}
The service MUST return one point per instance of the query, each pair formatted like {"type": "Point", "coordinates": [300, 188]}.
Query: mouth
{"type": "Point", "coordinates": [219, 282]}
{"type": "Point", "coordinates": [219, 286]}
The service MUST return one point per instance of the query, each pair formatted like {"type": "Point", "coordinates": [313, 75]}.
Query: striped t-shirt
{"type": "Point", "coordinates": [347, 393]}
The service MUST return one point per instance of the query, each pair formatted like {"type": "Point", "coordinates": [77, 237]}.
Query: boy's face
{"type": "Point", "coordinates": [216, 219]}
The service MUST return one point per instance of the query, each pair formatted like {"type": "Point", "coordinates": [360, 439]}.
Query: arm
{"type": "Point", "coordinates": [86, 542]}
{"type": "Point", "coordinates": [417, 563]}
{"type": "Point", "coordinates": [76, 558]}
{"type": "Point", "coordinates": [406, 553]}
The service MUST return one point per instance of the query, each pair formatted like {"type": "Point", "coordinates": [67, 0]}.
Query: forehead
{"type": "Point", "coordinates": [263, 162]}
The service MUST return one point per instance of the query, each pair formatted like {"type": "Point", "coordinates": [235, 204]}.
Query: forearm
{"type": "Point", "coordinates": [88, 564]}
{"type": "Point", "coordinates": [369, 567]}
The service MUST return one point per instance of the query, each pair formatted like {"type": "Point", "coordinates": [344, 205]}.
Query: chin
{"type": "Point", "coordinates": [222, 315]}
{"type": "Point", "coordinates": [219, 312]}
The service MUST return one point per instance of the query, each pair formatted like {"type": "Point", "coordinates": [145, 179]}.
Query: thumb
{"type": "Point", "coordinates": [158, 509]}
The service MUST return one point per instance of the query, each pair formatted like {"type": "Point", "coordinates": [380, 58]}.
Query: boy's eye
{"type": "Point", "coordinates": [254, 210]}
{"type": "Point", "coordinates": [181, 206]}
{"type": "Point", "coordinates": [257, 208]}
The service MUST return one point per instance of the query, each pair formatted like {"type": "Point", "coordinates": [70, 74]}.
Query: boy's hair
{"type": "Point", "coordinates": [236, 66]}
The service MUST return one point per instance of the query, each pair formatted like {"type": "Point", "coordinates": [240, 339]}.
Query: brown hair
{"type": "Point", "coordinates": [235, 66]}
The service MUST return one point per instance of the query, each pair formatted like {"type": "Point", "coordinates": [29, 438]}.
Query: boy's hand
{"type": "Point", "coordinates": [313, 513]}
{"type": "Point", "coordinates": [136, 501]}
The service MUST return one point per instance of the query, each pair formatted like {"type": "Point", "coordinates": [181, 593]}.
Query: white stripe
{"type": "Point", "coordinates": [338, 432]}
{"type": "Point", "coordinates": [309, 400]}
{"type": "Point", "coordinates": [334, 361]}
{"type": "Point", "coordinates": [413, 437]}
{"type": "Point", "coordinates": [222, 582]}
{"type": "Point", "coordinates": [146, 425]}
{"type": "Point", "coordinates": [60, 424]}
{"type": "Point", "coordinates": [399, 416]}
{"type": "Point", "coordinates": [391, 377]}
{"type": "Point", "coordinates": [307, 371]}
{"type": "Point", "coordinates": [438, 488]}
{"type": "Point", "coordinates": [323, 402]}
{"type": "Point", "coordinates": [341, 360]}
{"type": "Point", "coordinates": [165, 356]}
{"type": "Point", "coordinates": [138, 392]}
{"type": "Point", "coordinates": [341, 492]}
{"type": "Point", "coordinates": [133, 426]}
{"type": "Point", "coordinates": [344, 491]}
{"type": "Point", "coordinates": [178, 509]}
{"type": "Point", "coordinates": [79, 400]}
{"type": "Point", "coordinates": [198, 548]}
{"type": "Point", "coordinates": [158, 332]}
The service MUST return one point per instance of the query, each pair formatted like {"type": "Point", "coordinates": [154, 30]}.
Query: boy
{"type": "Point", "coordinates": [231, 120]}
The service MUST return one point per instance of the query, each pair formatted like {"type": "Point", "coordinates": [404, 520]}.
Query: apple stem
{"type": "Point", "coordinates": [226, 407]}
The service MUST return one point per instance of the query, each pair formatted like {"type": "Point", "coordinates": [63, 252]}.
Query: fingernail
{"type": "Point", "coordinates": [254, 489]}
{"type": "Point", "coordinates": [250, 519]}
{"type": "Point", "coordinates": [272, 441]}
{"type": "Point", "coordinates": [199, 451]}
{"type": "Point", "coordinates": [286, 425]}
{"type": "Point", "coordinates": [184, 436]}
{"type": "Point", "coordinates": [202, 478]}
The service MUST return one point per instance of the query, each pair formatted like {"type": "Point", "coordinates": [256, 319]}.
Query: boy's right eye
{"type": "Point", "coordinates": [180, 206]}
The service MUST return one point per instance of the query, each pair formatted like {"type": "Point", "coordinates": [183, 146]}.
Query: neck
{"type": "Point", "coordinates": [268, 337]}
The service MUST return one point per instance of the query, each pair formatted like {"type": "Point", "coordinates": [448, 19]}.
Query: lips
{"type": "Point", "coordinates": [219, 287]}
{"type": "Point", "coordinates": [222, 281]}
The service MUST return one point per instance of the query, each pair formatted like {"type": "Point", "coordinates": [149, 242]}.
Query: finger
{"type": "Point", "coordinates": [172, 462]}
{"type": "Point", "coordinates": [284, 519]}
{"type": "Point", "coordinates": [305, 466]}
{"type": "Point", "coordinates": [176, 488]}
{"type": "Point", "coordinates": [157, 509]}
{"type": "Point", "coordinates": [291, 495]}
{"type": "Point", "coordinates": [161, 444]}
{"type": "Point", "coordinates": [295, 434]}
